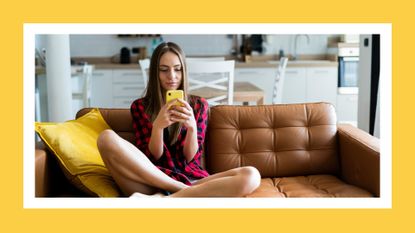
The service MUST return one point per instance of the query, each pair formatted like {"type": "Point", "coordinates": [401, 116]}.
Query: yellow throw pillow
{"type": "Point", "coordinates": [75, 145]}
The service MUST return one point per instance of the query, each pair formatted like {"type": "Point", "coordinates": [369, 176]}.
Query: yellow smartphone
{"type": "Point", "coordinates": [174, 94]}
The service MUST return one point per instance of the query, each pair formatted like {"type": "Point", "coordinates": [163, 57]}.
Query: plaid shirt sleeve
{"type": "Point", "coordinates": [201, 115]}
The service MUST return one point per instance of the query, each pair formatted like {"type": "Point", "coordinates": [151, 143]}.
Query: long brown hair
{"type": "Point", "coordinates": [153, 97]}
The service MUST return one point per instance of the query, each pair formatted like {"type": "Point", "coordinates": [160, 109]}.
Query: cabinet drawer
{"type": "Point", "coordinates": [322, 72]}
{"type": "Point", "coordinates": [254, 73]}
{"type": "Point", "coordinates": [127, 90]}
{"type": "Point", "coordinates": [102, 73]}
{"type": "Point", "coordinates": [295, 72]}
{"type": "Point", "coordinates": [122, 76]}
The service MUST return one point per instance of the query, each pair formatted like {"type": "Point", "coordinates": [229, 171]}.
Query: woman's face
{"type": "Point", "coordinates": [170, 71]}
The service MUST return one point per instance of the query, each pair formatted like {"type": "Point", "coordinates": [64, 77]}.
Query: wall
{"type": "Point", "coordinates": [193, 45]}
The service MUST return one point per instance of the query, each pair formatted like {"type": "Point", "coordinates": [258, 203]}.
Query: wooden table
{"type": "Point", "coordinates": [242, 92]}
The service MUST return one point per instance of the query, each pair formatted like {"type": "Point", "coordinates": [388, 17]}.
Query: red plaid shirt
{"type": "Point", "coordinates": [172, 162]}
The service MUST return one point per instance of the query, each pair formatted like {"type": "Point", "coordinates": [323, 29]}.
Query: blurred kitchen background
{"type": "Point", "coordinates": [339, 69]}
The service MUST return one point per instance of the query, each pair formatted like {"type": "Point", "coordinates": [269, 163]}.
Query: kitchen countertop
{"type": "Point", "coordinates": [255, 64]}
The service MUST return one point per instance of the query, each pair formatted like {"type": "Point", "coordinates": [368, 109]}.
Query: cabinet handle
{"type": "Point", "coordinates": [98, 74]}
{"type": "Point", "coordinates": [130, 88]}
{"type": "Point", "coordinates": [248, 72]}
{"type": "Point", "coordinates": [321, 71]}
{"type": "Point", "coordinates": [130, 74]}
{"type": "Point", "coordinates": [291, 71]}
{"type": "Point", "coordinates": [126, 82]}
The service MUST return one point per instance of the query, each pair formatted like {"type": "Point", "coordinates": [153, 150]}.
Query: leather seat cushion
{"type": "Point", "coordinates": [308, 186]}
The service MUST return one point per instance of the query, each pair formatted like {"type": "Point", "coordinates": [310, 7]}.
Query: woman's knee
{"type": "Point", "coordinates": [251, 179]}
{"type": "Point", "coordinates": [107, 139]}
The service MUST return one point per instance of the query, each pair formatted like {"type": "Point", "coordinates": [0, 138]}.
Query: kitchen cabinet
{"type": "Point", "coordinates": [128, 85]}
{"type": "Point", "coordinates": [347, 105]}
{"type": "Point", "coordinates": [116, 88]}
{"type": "Point", "coordinates": [119, 87]}
{"type": "Point", "coordinates": [295, 86]}
{"type": "Point", "coordinates": [322, 84]}
{"type": "Point", "coordinates": [310, 84]}
{"type": "Point", "coordinates": [101, 89]}
{"type": "Point", "coordinates": [301, 84]}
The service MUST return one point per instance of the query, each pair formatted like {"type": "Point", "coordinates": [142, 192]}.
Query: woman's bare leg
{"type": "Point", "coordinates": [237, 182]}
{"type": "Point", "coordinates": [130, 168]}
{"type": "Point", "coordinates": [134, 172]}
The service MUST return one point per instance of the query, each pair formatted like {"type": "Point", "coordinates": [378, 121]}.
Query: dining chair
{"type": "Point", "coordinates": [279, 81]}
{"type": "Point", "coordinates": [212, 80]}
{"type": "Point", "coordinates": [144, 66]}
{"type": "Point", "coordinates": [84, 75]}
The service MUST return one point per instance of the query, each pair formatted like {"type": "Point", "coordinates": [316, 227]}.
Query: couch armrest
{"type": "Point", "coordinates": [359, 158]}
{"type": "Point", "coordinates": [49, 178]}
{"type": "Point", "coordinates": [41, 173]}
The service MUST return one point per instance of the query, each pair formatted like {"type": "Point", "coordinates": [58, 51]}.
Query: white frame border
{"type": "Point", "coordinates": [384, 29]}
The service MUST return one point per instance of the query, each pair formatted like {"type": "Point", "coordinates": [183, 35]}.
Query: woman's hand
{"type": "Point", "coordinates": [183, 114]}
{"type": "Point", "coordinates": [164, 118]}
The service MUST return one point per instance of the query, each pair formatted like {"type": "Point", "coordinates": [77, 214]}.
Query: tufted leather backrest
{"type": "Point", "coordinates": [279, 140]}
{"type": "Point", "coordinates": [118, 119]}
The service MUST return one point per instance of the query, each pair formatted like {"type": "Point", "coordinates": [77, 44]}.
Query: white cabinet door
{"type": "Point", "coordinates": [301, 84]}
{"type": "Point", "coordinates": [294, 90]}
{"type": "Point", "coordinates": [322, 84]}
{"type": "Point", "coordinates": [128, 85]}
{"type": "Point", "coordinates": [101, 88]}
{"type": "Point", "coordinates": [347, 108]}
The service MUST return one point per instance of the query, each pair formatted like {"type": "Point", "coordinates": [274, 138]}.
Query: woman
{"type": "Point", "coordinates": [169, 141]}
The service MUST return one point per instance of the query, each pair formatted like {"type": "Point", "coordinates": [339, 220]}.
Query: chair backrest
{"type": "Point", "coordinates": [212, 80]}
{"type": "Point", "coordinates": [191, 59]}
{"type": "Point", "coordinates": [144, 66]}
{"type": "Point", "coordinates": [279, 81]}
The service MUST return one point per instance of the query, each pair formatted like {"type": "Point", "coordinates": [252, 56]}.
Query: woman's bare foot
{"type": "Point", "coordinates": [140, 195]}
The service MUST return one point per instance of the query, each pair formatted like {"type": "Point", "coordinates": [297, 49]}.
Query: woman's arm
{"type": "Point", "coordinates": [149, 136]}
{"type": "Point", "coordinates": [156, 142]}
{"type": "Point", "coordinates": [162, 121]}
{"type": "Point", "coordinates": [190, 145]}
{"type": "Point", "coordinates": [195, 126]}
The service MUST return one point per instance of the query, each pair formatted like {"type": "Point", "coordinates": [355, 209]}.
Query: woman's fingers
{"type": "Point", "coordinates": [180, 115]}
{"type": "Point", "coordinates": [171, 103]}
{"type": "Point", "coordinates": [184, 104]}
{"type": "Point", "coordinates": [184, 110]}
{"type": "Point", "coordinates": [175, 120]}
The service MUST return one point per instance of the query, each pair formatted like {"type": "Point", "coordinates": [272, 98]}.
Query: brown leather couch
{"type": "Point", "coordinates": [299, 150]}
